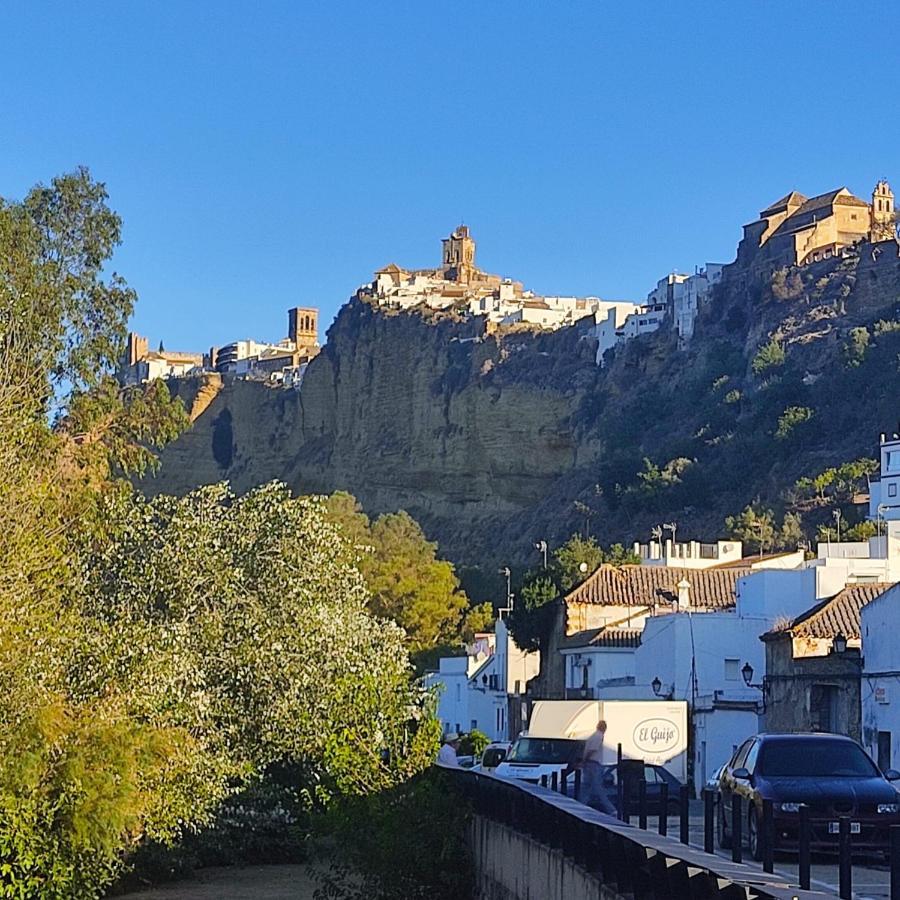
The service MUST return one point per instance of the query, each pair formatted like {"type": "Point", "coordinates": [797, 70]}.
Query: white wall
{"type": "Point", "coordinates": [880, 685]}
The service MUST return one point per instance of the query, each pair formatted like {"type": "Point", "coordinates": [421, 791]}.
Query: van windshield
{"type": "Point", "coordinates": [545, 750]}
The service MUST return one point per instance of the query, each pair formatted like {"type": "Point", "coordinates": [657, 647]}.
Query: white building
{"type": "Point", "coordinates": [694, 293]}
{"type": "Point", "coordinates": [645, 320]}
{"type": "Point", "coordinates": [884, 495]}
{"type": "Point", "coordinates": [609, 321]}
{"type": "Point", "coordinates": [880, 685]}
{"type": "Point", "coordinates": [475, 690]}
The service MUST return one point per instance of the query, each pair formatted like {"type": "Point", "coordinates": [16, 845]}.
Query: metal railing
{"type": "Point", "coordinates": [633, 862]}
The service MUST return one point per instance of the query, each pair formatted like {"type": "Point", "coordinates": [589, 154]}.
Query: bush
{"type": "Point", "coordinates": [790, 419]}
{"type": "Point", "coordinates": [786, 285]}
{"type": "Point", "coordinates": [855, 347]}
{"type": "Point", "coordinates": [473, 743]}
{"type": "Point", "coordinates": [769, 356]}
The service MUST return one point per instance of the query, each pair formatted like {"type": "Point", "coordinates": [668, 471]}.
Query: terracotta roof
{"type": "Point", "coordinates": [792, 197]}
{"type": "Point", "coordinates": [634, 585]}
{"type": "Point", "coordinates": [389, 269]}
{"type": "Point", "coordinates": [839, 195]}
{"type": "Point", "coordinates": [839, 613]}
{"type": "Point", "coordinates": [603, 637]}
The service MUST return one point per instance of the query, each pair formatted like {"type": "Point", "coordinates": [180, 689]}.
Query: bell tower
{"type": "Point", "coordinates": [884, 220]}
{"type": "Point", "coordinates": [458, 262]}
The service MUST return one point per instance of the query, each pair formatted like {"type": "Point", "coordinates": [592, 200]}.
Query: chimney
{"type": "Point", "coordinates": [684, 594]}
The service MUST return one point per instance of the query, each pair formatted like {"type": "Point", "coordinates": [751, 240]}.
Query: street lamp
{"type": "Point", "coordinates": [839, 643]}
{"type": "Point", "coordinates": [837, 519]}
{"type": "Point", "coordinates": [763, 686]}
{"type": "Point", "coordinates": [747, 672]}
{"type": "Point", "coordinates": [656, 684]}
{"type": "Point", "coordinates": [541, 547]}
{"type": "Point", "coordinates": [505, 571]}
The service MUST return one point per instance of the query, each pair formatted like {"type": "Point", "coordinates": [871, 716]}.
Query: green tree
{"type": "Point", "coordinates": [855, 347]}
{"type": "Point", "coordinates": [407, 582]}
{"type": "Point", "coordinates": [754, 527]}
{"type": "Point", "coordinates": [530, 621]}
{"type": "Point", "coordinates": [769, 356]}
{"type": "Point", "coordinates": [790, 420]}
{"type": "Point", "coordinates": [577, 558]}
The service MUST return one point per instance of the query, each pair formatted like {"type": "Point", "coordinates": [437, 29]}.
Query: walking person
{"type": "Point", "coordinates": [447, 753]}
{"type": "Point", "coordinates": [594, 757]}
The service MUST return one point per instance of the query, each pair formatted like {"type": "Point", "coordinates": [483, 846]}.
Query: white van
{"type": "Point", "coordinates": [652, 730]}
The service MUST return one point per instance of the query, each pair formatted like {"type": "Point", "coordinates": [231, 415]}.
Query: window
{"type": "Point", "coordinates": [474, 724]}
{"type": "Point", "coordinates": [892, 490]}
{"type": "Point", "coordinates": [750, 761]}
{"type": "Point", "coordinates": [458, 693]}
{"type": "Point", "coordinates": [732, 669]}
{"type": "Point", "coordinates": [739, 757]}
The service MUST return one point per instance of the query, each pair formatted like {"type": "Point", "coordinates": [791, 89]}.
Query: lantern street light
{"type": "Point", "coordinates": [839, 643]}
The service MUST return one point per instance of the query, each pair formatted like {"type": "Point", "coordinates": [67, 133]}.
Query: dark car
{"type": "Point", "coordinates": [654, 776]}
{"type": "Point", "coordinates": [830, 773]}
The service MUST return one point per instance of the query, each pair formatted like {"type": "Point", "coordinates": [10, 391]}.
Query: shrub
{"type": "Point", "coordinates": [792, 417]}
{"type": "Point", "coordinates": [769, 356]}
{"type": "Point", "coordinates": [885, 326]}
{"type": "Point", "coordinates": [855, 347]}
{"type": "Point", "coordinates": [733, 396]}
{"type": "Point", "coordinates": [786, 285]}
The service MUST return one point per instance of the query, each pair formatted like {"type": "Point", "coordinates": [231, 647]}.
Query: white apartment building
{"type": "Point", "coordinates": [880, 683]}
{"type": "Point", "coordinates": [475, 690]}
{"type": "Point", "coordinates": [884, 494]}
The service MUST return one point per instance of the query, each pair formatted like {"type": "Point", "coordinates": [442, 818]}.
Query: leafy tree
{"type": "Point", "coordinates": [754, 526]}
{"type": "Point", "coordinates": [473, 743]}
{"type": "Point", "coordinates": [769, 356]}
{"type": "Point", "coordinates": [477, 620]}
{"type": "Point", "coordinates": [855, 347]}
{"type": "Point", "coordinates": [790, 420]}
{"type": "Point", "coordinates": [407, 582]}
{"type": "Point", "coordinates": [653, 479]}
{"type": "Point", "coordinates": [530, 621]}
{"type": "Point", "coordinates": [791, 534]}
{"type": "Point", "coordinates": [571, 556]}
{"type": "Point", "coordinates": [617, 555]}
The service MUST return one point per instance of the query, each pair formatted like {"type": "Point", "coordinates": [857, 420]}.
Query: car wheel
{"type": "Point", "coordinates": [753, 835]}
{"type": "Point", "coordinates": [723, 836]}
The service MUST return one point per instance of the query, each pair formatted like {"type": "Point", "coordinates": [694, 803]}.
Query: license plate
{"type": "Point", "coordinates": [835, 828]}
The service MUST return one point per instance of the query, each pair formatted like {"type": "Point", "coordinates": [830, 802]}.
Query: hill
{"type": "Point", "coordinates": [494, 441]}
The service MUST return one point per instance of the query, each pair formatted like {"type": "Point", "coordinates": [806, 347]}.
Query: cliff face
{"type": "Point", "coordinates": [430, 416]}
{"type": "Point", "coordinates": [494, 443]}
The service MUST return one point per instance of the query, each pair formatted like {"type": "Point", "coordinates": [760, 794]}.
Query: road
{"type": "Point", "coordinates": [236, 883]}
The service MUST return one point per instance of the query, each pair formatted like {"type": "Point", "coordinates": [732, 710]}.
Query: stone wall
{"type": "Point", "coordinates": [513, 866]}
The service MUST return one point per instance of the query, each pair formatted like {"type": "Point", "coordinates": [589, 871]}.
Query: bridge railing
{"type": "Point", "coordinates": [635, 863]}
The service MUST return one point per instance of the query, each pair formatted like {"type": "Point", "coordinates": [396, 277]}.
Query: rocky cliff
{"type": "Point", "coordinates": [495, 441]}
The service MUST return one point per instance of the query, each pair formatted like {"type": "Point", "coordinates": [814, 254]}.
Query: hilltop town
{"type": "Point", "coordinates": [794, 231]}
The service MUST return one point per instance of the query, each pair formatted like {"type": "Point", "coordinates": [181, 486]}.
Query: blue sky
{"type": "Point", "coordinates": [270, 154]}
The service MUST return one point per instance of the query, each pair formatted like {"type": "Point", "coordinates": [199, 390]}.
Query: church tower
{"type": "Point", "coordinates": [884, 222]}
{"type": "Point", "coordinates": [458, 263]}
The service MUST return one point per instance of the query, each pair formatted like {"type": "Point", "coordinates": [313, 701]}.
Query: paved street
{"type": "Point", "coordinates": [236, 883]}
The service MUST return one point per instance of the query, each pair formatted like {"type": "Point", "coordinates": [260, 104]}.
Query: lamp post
{"type": "Point", "coordinates": [505, 571]}
{"type": "Point", "coordinates": [837, 519]}
{"type": "Point", "coordinates": [541, 547]}
{"type": "Point", "coordinates": [763, 686]}
{"type": "Point", "coordinates": [839, 643]}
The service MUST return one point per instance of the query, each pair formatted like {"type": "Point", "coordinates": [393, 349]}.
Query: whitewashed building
{"type": "Point", "coordinates": [880, 683]}
{"type": "Point", "coordinates": [475, 690]}
{"type": "Point", "coordinates": [884, 494]}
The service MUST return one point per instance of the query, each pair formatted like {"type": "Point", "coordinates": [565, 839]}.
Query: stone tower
{"type": "Point", "coordinates": [458, 262]}
{"type": "Point", "coordinates": [884, 222]}
{"type": "Point", "coordinates": [303, 326]}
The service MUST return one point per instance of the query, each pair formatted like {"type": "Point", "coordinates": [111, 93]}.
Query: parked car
{"type": "Point", "coordinates": [830, 773]}
{"type": "Point", "coordinates": [654, 776]}
{"type": "Point", "coordinates": [493, 755]}
{"type": "Point", "coordinates": [531, 757]}
{"type": "Point", "coordinates": [712, 783]}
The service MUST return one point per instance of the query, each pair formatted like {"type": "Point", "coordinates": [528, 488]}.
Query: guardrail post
{"type": "Point", "coordinates": [803, 841]}
{"type": "Point", "coordinates": [578, 784]}
{"type": "Point", "coordinates": [642, 804]}
{"type": "Point", "coordinates": [620, 785]}
{"type": "Point", "coordinates": [767, 835]}
{"type": "Point", "coordinates": [554, 781]}
{"type": "Point", "coordinates": [663, 808]}
{"type": "Point", "coordinates": [737, 837]}
{"type": "Point", "coordinates": [895, 862]}
{"type": "Point", "coordinates": [684, 800]}
{"type": "Point", "coordinates": [564, 783]}
{"type": "Point", "coordinates": [709, 813]}
{"type": "Point", "coordinates": [543, 781]}
{"type": "Point", "coordinates": [845, 886]}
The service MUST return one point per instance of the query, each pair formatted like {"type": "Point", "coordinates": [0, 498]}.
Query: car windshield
{"type": "Point", "coordinates": [544, 750]}
{"type": "Point", "coordinates": [492, 757]}
{"type": "Point", "coordinates": [814, 759]}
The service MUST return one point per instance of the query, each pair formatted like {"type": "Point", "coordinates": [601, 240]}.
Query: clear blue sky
{"type": "Point", "coordinates": [269, 154]}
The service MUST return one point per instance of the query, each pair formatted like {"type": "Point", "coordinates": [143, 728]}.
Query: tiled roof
{"type": "Point", "coordinates": [792, 197]}
{"type": "Point", "coordinates": [836, 614]}
{"type": "Point", "coordinates": [652, 585]}
{"type": "Point", "coordinates": [603, 637]}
